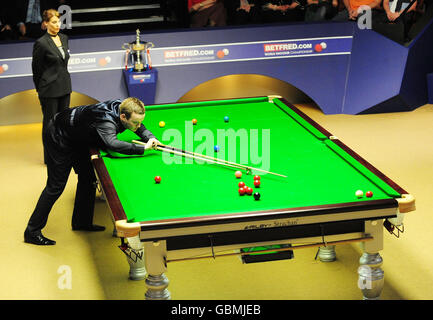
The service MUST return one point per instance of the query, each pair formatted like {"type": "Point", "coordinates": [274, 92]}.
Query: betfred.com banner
{"type": "Point", "coordinates": [197, 54]}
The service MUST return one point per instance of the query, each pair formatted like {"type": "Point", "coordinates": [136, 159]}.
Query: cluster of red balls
{"type": "Point", "coordinates": [243, 189]}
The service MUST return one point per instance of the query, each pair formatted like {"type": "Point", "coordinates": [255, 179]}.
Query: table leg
{"type": "Point", "coordinates": [156, 265]}
{"type": "Point", "coordinates": [157, 287]}
{"type": "Point", "coordinates": [327, 254]}
{"type": "Point", "coordinates": [371, 276]}
{"type": "Point", "coordinates": [134, 252]}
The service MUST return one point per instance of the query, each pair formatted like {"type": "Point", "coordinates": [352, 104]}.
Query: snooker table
{"type": "Point", "coordinates": [197, 212]}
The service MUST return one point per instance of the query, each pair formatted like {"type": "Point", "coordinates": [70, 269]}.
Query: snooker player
{"type": "Point", "coordinates": [67, 139]}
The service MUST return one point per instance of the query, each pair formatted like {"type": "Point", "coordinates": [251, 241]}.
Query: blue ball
{"type": "Point", "coordinates": [216, 148]}
{"type": "Point", "coordinates": [226, 119]}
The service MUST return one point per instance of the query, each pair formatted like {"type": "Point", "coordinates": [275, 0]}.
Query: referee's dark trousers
{"type": "Point", "coordinates": [61, 158]}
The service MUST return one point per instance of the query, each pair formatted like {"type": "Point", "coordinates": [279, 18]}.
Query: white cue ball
{"type": "Point", "coordinates": [359, 193]}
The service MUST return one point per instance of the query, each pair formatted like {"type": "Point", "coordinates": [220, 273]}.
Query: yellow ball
{"type": "Point", "coordinates": [162, 124]}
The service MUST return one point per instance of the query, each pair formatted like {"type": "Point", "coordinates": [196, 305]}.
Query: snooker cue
{"type": "Point", "coordinates": [198, 157]}
{"type": "Point", "coordinates": [193, 155]}
{"type": "Point", "coordinates": [187, 155]}
{"type": "Point", "coordinates": [222, 161]}
{"type": "Point", "coordinates": [216, 160]}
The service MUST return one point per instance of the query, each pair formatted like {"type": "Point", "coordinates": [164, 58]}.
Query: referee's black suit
{"type": "Point", "coordinates": [51, 77]}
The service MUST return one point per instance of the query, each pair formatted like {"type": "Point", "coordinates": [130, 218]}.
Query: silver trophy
{"type": "Point", "coordinates": [134, 52]}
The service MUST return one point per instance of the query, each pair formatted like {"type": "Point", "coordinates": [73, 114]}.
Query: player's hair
{"type": "Point", "coordinates": [48, 14]}
{"type": "Point", "coordinates": [130, 105]}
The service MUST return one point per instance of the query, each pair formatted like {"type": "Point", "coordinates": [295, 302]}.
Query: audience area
{"type": "Point", "coordinates": [399, 20]}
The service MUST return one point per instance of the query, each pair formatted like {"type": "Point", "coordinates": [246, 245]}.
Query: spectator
{"type": "Point", "coordinates": [6, 32]}
{"type": "Point", "coordinates": [392, 23]}
{"type": "Point", "coordinates": [6, 23]}
{"type": "Point", "coordinates": [319, 10]}
{"type": "Point", "coordinates": [282, 11]}
{"type": "Point", "coordinates": [424, 13]}
{"type": "Point", "coordinates": [177, 10]}
{"type": "Point", "coordinates": [351, 9]}
{"type": "Point", "coordinates": [28, 17]}
{"type": "Point", "coordinates": [207, 13]}
{"type": "Point", "coordinates": [243, 11]}
{"type": "Point", "coordinates": [394, 8]}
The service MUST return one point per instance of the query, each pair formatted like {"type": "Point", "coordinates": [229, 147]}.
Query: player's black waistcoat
{"type": "Point", "coordinates": [76, 127]}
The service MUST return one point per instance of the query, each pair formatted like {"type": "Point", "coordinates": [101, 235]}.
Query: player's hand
{"type": "Point", "coordinates": [151, 144]}
{"type": "Point", "coordinates": [148, 145]}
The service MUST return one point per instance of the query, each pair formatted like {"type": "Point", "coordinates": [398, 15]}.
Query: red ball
{"type": "Point", "coordinates": [241, 184]}
{"type": "Point", "coordinates": [157, 179]}
{"type": "Point", "coordinates": [256, 177]}
{"type": "Point", "coordinates": [369, 194]}
{"type": "Point", "coordinates": [242, 191]}
{"type": "Point", "coordinates": [256, 183]}
{"type": "Point", "coordinates": [249, 191]}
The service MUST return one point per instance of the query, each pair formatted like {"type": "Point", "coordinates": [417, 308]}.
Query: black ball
{"type": "Point", "coordinates": [256, 196]}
